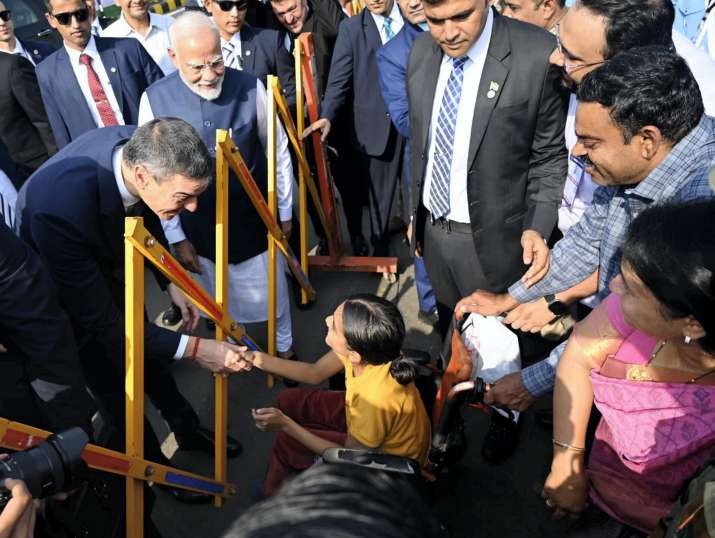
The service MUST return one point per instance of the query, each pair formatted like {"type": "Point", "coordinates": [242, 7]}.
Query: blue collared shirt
{"type": "Point", "coordinates": [689, 16]}
{"type": "Point", "coordinates": [595, 242]}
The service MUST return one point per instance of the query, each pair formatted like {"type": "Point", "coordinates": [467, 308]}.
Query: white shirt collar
{"type": "Point", "coordinates": [125, 28]}
{"type": "Point", "coordinates": [479, 48]}
{"type": "Point", "coordinates": [128, 199]}
{"type": "Point", "coordinates": [19, 49]}
{"type": "Point", "coordinates": [394, 15]}
{"type": "Point", "coordinates": [235, 39]}
{"type": "Point", "coordinates": [90, 50]}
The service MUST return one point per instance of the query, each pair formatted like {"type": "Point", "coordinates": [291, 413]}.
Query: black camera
{"type": "Point", "coordinates": [51, 467]}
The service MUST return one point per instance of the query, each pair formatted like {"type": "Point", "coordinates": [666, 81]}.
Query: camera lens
{"type": "Point", "coordinates": [53, 466]}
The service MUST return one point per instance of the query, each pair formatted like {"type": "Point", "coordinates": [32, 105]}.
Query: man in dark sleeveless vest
{"type": "Point", "coordinates": [209, 96]}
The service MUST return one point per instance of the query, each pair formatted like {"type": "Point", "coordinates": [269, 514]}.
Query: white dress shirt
{"type": "Point", "coordinates": [8, 198]}
{"type": "Point", "coordinates": [237, 52]}
{"type": "Point", "coordinates": [284, 168]}
{"type": "Point", "coordinates": [96, 28]}
{"type": "Point", "coordinates": [21, 51]}
{"type": "Point", "coordinates": [128, 200]}
{"type": "Point", "coordinates": [156, 41]}
{"type": "Point", "coordinates": [80, 72]}
{"type": "Point", "coordinates": [458, 201]}
{"type": "Point", "coordinates": [396, 22]}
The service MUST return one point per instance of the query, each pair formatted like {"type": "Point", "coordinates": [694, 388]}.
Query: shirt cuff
{"type": "Point", "coordinates": [285, 213]}
{"type": "Point", "coordinates": [173, 231]}
{"type": "Point", "coordinates": [540, 378]}
{"type": "Point", "coordinates": [183, 342]}
{"type": "Point", "coordinates": [523, 294]}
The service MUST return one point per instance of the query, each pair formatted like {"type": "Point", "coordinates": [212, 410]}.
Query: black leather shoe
{"type": "Point", "coordinates": [203, 439]}
{"type": "Point", "coordinates": [359, 246]}
{"type": "Point", "coordinates": [187, 497]}
{"type": "Point", "coordinates": [501, 439]}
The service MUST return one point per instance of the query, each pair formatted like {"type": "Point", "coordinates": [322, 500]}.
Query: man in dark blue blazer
{"type": "Point", "coordinates": [258, 51]}
{"type": "Point", "coordinates": [71, 211]}
{"type": "Point", "coordinates": [353, 77]}
{"type": "Point", "coordinates": [91, 81]}
{"type": "Point", "coordinates": [392, 68]}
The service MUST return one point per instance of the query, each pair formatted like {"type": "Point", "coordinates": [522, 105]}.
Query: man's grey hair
{"type": "Point", "coordinates": [187, 23]}
{"type": "Point", "coordinates": [167, 147]}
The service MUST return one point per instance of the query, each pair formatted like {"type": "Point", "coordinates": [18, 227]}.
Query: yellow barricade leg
{"type": "Point", "coordinates": [134, 381]}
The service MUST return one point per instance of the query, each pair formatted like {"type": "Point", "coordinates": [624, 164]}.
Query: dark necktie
{"type": "Point", "coordinates": [106, 114]}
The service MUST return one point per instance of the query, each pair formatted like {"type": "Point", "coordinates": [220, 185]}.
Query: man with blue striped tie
{"type": "Point", "coordinates": [488, 161]}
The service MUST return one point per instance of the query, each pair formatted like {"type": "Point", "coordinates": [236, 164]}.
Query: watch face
{"type": "Point", "coordinates": [558, 308]}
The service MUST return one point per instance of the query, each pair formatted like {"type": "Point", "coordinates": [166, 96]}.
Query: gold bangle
{"type": "Point", "coordinates": [567, 446]}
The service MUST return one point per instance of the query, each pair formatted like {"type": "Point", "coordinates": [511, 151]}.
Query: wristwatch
{"type": "Point", "coordinates": [557, 307]}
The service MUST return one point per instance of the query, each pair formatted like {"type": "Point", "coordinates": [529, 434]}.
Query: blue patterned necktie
{"type": "Point", "coordinates": [444, 140]}
{"type": "Point", "coordinates": [387, 28]}
{"type": "Point", "coordinates": [231, 59]}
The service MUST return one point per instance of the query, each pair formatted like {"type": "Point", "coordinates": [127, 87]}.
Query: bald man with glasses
{"type": "Point", "coordinates": [257, 51]}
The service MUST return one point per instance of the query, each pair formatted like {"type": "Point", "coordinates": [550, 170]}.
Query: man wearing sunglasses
{"type": "Point", "coordinates": [91, 81]}
{"type": "Point", "coordinates": [258, 51]}
{"type": "Point", "coordinates": [33, 51]}
{"type": "Point", "coordinates": [589, 35]}
{"type": "Point", "coordinates": [151, 29]}
{"type": "Point", "coordinates": [24, 128]}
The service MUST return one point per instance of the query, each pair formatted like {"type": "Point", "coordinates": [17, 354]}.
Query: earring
{"type": "Point", "coordinates": [687, 339]}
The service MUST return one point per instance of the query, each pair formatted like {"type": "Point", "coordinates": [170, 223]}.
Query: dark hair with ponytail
{"type": "Point", "coordinates": [374, 329]}
{"type": "Point", "coordinates": [672, 250]}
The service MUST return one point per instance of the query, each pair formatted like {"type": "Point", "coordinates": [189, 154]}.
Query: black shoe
{"type": "Point", "coordinates": [171, 316]}
{"type": "Point", "coordinates": [545, 417]}
{"type": "Point", "coordinates": [359, 246]}
{"type": "Point", "coordinates": [323, 249]}
{"type": "Point", "coordinates": [202, 439]}
{"type": "Point", "coordinates": [187, 497]}
{"type": "Point", "coordinates": [501, 439]}
{"type": "Point", "coordinates": [430, 318]}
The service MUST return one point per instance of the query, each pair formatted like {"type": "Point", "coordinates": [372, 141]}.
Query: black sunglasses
{"type": "Point", "coordinates": [228, 5]}
{"type": "Point", "coordinates": [65, 18]}
{"type": "Point", "coordinates": [5, 15]}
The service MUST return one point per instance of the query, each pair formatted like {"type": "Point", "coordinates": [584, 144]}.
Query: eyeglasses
{"type": "Point", "coordinates": [570, 68]}
{"type": "Point", "coordinates": [216, 65]}
{"type": "Point", "coordinates": [228, 5]}
{"type": "Point", "coordinates": [5, 15]}
{"type": "Point", "coordinates": [65, 18]}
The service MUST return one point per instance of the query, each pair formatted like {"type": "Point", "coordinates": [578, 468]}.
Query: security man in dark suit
{"type": "Point", "coordinates": [24, 127]}
{"type": "Point", "coordinates": [257, 51]}
{"type": "Point", "coordinates": [41, 382]}
{"type": "Point", "coordinates": [353, 81]}
{"type": "Point", "coordinates": [488, 159]}
{"type": "Point", "coordinates": [71, 211]}
{"type": "Point", "coordinates": [91, 81]}
{"type": "Point", "coordinates": [33, 51]}
{"type": "Point", "coordinates": [322, 19]}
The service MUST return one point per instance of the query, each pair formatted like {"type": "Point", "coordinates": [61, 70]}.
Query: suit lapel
{"type": "Point", "coordinates": [372, 34]}
{"type": "Point", "coordinates": [248, 49]}
{"type": "Point", "coordinates": [429, 74]}
{"type": "Point", "coordinates": [494, 75]}
{"type": "Point", "coordinates": [70, 91]}
{"type": "Point", "coordinates": [111, 66]}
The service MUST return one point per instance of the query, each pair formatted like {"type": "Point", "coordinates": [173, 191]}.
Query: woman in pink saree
{"type": "Point", "coordinates": [646, 358]}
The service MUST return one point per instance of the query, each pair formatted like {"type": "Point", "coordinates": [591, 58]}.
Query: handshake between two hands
{"type": "Point", "coordinates": [224, 358]}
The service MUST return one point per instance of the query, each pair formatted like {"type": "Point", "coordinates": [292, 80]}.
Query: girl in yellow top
{"type": "Point", "coordinates": [380, 410]}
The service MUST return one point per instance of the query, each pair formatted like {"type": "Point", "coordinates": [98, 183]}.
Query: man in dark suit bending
{"type": "Point", "coordinates": [91, 81]}
{"type": "Point", "coordinates": [488, 160]}
{"type": "Point", "coordinates": [71, 211]}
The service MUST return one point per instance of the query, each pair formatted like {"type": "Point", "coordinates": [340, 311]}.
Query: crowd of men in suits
{"type": "Point", "coordinates": [456, 120]}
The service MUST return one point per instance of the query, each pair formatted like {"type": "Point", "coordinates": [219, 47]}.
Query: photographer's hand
{"type": "Point", "coordinates": [17, 520]}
